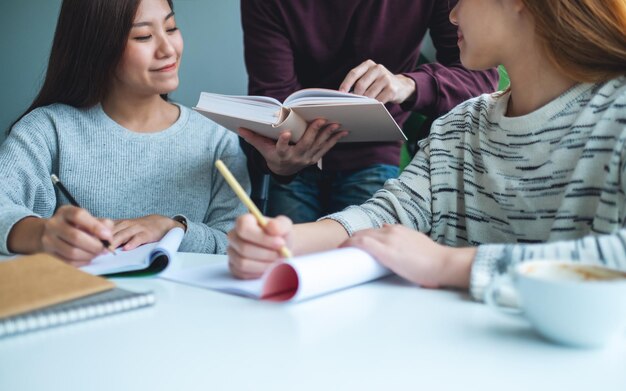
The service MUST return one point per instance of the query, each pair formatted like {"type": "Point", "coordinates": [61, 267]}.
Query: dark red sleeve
{"type": "Point", "coordinates": [446, 83]}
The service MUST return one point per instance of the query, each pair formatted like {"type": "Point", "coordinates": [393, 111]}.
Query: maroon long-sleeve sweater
{"type": "Point", "coordinates": [295, 44]}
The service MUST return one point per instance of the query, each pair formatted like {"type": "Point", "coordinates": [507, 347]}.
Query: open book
{"type": "Point", "coordinates": [151, 257]}
{"type": "Point", "coordinates": [365, 118]}
{"type": "Point", "coordinates": [297, 279]}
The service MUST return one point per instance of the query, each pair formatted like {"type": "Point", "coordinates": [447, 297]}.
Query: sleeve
{"type": "Point", "coordinates": [405, 200]}
{"type": "Point", "coordinates": [27, 158]}
{"type": "Point", "coordinates": [605, 250]}
{"type": "Point", "coordinates": [442, 85]}
{"type": "Point", "coordinates": [210, 235]}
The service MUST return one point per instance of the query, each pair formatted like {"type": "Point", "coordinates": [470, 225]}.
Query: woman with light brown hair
{"type": "Point", "coordinates": [536, 171]}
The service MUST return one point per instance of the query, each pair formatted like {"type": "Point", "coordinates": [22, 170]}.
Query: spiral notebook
{"type": "Point", "coordinates": [40, 291]}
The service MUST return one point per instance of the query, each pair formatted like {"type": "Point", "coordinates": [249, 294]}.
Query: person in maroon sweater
{"type": "Point", "coordinates": [370, 47]}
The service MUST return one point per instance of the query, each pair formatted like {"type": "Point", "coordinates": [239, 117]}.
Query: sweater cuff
{"type": "Point", "coordinates": [484, 268]}
{"type": "Point", "coordinates": [7, 220]}
{"type": "Point", "coordinates": [353, 219]}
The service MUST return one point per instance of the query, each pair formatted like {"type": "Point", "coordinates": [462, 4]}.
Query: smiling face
{"type": "Point", "coordinates": [149, 65]}
{"type": "Point", "coordinates": [488, 31]}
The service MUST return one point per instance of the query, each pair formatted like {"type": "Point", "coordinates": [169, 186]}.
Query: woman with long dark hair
{"type": "Point", "coordinates": [103, 124]}
{"type": "Point", "coordinates": [537, 171]}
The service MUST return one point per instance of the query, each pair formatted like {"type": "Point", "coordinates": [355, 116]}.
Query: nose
{"type": "Point", "coordinates": [165, 48]}
{"type": "Point", "coordinates": [453, 15]}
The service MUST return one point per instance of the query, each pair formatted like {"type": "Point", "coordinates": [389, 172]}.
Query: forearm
{"type": "Point", "coordinates": [318, 236]}
{"type": "Point", "coordinates": [25, 236]}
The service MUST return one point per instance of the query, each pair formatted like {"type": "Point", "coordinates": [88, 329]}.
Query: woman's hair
{"type": "Point", "coordinates": [88, 44]}
{"type": "Point", "coordinates": [585, 39]}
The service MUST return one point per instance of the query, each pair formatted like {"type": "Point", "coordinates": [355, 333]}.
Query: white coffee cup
{"type": "Point", "coordinates": [570, 303]}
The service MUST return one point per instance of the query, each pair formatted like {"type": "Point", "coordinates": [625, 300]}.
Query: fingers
{"type": "Point", "coordinates": [251, 249]}
{"type": "Point", "coordinates": [81, 219]}
{"type": "Point", "coordinates": [246, 269]}
{"type": "Point", "coordinates": [261, 143]}
{"type": "Point", "coordinates": [130, 234]}
{"type": "Point", "coordinates": [73, 234]}
{"type": "Point", "coordinates": [249, 239]}
{"type": "Point", "coordinates": [328, 144]}
{"type": "Point", "coordinates": [282, 145]}
{"type": "Point", "coordinates": [67, 251]}
{"type": "Point", "coordinates": [354, 75]}
{"type": "Point", "coordinates": [279, 226]}
{"type": "Point", "coordinates": [379, 89]}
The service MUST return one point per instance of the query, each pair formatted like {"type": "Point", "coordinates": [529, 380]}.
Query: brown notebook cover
{"type": "Point", "coordinates": [38, 281]}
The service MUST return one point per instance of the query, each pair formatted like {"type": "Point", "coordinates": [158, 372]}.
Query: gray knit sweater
{"type": "Point", "coordinates": [550, 184]}
{"type": "Point", "coordinates": [116, 173]}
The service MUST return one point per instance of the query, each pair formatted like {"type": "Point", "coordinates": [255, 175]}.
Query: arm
{"type": "Point", "coordinates": [442, 85]}
{"type": "Point", "coordinates": [209, 236]}
{"type": "Point", "coordinates": [252, 249]}
{"type": "Point", "coordinates": [405, 200]}
{"type": "Point", "coordinates": [28, 200]}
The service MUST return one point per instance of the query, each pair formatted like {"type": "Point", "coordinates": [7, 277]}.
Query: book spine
{"type": "Point", "coordinates": [46, 319]}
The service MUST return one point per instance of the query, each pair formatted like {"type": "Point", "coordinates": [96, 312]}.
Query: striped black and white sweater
{"type": "Point", "coordinates": [550, 184]}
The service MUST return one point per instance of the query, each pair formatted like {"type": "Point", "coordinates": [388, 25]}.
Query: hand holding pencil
{"type": "Point", "coordinates": [270, 244]}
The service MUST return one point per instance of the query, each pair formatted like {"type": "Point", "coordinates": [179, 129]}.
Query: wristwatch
{"type": "Point", "coordinates": [182, 220]}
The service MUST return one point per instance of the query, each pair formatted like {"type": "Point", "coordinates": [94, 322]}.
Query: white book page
{"type": "Point", "coordinates": [137, 259]}
{"type": "Point", "coordinates": [319, 96]}
{"type": "Point", "coordinates": [253, 108]}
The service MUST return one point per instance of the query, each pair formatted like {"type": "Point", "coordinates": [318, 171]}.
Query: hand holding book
{"type": "Point", "coordinates": [366, 119]}
{"type": "Point", "coordinates": [285, 158]}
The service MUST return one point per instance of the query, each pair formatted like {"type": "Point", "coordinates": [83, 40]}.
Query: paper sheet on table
{"type": "Point", "coordinates": [297, 279]}
{"type": "Point", "coordinates": [152, 257]}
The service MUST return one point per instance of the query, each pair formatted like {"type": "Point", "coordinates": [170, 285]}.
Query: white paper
{"type": "Point", "coordinates": [317, 274]}
{"type": "Point", "coordinates": [137, 259]}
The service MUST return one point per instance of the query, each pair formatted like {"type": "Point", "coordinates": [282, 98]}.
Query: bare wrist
{"type": "Point", "coordinates": [26, 236]}
{"type": "Point", "coordinates": [457, 266]}
{"type": "Point", "coordinates": [281, 170]}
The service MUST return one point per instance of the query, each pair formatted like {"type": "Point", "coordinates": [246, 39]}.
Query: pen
{"type": "Point", "coordinates": [57, 182]}
{"type": "Point", "coordinates": [243, 196]}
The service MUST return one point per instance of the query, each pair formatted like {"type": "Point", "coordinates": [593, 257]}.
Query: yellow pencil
{"type": "Point", "coordinates": [243, 196]}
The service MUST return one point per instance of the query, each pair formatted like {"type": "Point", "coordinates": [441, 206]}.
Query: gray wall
{"type": "Point", "coordinates": [212, 61]}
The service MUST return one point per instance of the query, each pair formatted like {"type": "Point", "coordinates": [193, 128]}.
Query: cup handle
{"type": "Point", "coordinates": [494, 292]}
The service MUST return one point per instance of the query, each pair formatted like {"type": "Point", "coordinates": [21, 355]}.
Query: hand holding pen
{"type": "Point", "coordinates": [73, 234]}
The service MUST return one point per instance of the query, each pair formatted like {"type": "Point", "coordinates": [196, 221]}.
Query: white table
{"type": "Point", "coordinates": [383, 335]}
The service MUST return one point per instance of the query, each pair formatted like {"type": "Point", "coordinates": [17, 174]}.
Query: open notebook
{"type": "Point", "coordinates": [150, 258]}
{"type": "Point", "coordinates": [297, 279]}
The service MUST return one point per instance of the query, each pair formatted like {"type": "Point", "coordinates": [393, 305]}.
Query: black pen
{"type": "Point", "coordinates": [57, 182]}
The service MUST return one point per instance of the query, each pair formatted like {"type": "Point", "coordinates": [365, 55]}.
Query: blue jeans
{"type": "Point", "coordinates": [314, 193]}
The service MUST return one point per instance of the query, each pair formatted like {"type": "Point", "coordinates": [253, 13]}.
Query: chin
{"type": "Point", "coordinates": [167, 89]}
